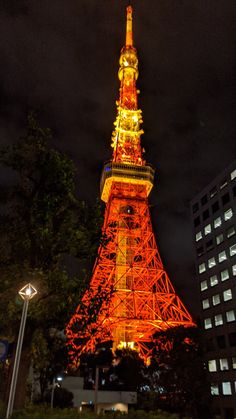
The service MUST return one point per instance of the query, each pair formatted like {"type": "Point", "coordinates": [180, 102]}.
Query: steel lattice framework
{"type": "Point", "coordinates": [130, 294]}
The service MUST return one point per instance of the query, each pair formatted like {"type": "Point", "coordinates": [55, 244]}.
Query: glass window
{"type": "Point", "coordinates": [227, 295]}
{"type": "Point", "coordinates": [234, 190]}
{"type": "Point", "coordinates": [214, 390]}
{"type": "Point", "coordinates": [234, 270]}
{"type": "Point", "coordinates": [224, 365]}
{"type": "Point", "coordinates": [232, 250]}
{"type": "Point", "coordinates": [209, 245]}
{"type": "Point", "coordinates": [234, 363]}
{"type": "Point", "coordinates": [225, 198]}
{"type": "Point", "coordinates": [213, 280]}
{"type": "Point", "coordinates": [219, 238]}
{"type": "Point", "coordinates": [215, 207]}
{"type": "Point", "coordinates": [215, 299]}
{"type": "Point", "coordinates": [213, 192]}
{"type": "Point", "coordinates": [222, 256]}
{"type": "Point", "coordinates": [212, 365]}
{"type": "Point", "coordinates": [221, 341]}
{"type": "Point", "coordinates": [203, 285]}
{"type": "Point", "coordinates": [233, 174]}
{"type": "Point", "coordinates": [200, 251]}
{"type": "Point", "coordinates": [204, 200]}
{"type": "Point", "coordinates": [223, 183]}
{"type": "Point", "coordinates": [202, 268]}
{"type": "Point", "coordinates": [228, 214]}
{"type": "Point", "coordinates": [207, 323]}
{"type": "Point", "coordinates": [211, 262]}
{"type": "Point", "coordinates": [230, 231]}
{"type": "Point", "coordinates": [232, 338]}
{"type": "Point", "coordinates": [195, 207]}
{"type": "Point", "coordinates": [226, 388]}
{"type": "Point", "coordinates": [218, 319]}
{"type": "Point", "coordinates": [217, 222]}
{"type": "Point", "coordinates": [205, 214]}
{"type": "Point", "coordinates": [205, 303]}
{"type": "Point", "coordinates": [224, 275]}
{"type": "Point", "coordinates": [198, 236]}
{"type": "Point", "coordinates": [207, 229]}
{"type": "Point", "coordinates": [230, 316]}
{"type": "Point", "coordinates": [196, 221]}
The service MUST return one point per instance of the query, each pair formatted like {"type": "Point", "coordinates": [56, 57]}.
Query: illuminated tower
{"type": "Point", "coordinates": [129, 290]}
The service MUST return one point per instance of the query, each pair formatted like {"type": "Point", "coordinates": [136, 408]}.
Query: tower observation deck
{"type": "Point", "coordinates": [130, 294]}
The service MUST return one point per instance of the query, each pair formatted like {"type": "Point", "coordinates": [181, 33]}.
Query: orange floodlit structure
{"type": "Point", "coordinates": [130, 296]}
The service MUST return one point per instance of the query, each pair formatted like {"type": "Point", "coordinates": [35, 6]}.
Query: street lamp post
{"type": "Point", "coordinates": [54, 385]}
{"type": "Point", "coordinates": [27, 293]}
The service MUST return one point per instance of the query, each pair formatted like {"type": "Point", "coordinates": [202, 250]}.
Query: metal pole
{"type": "Point", "coordinates": [52, 393]}
{"type": "Point", "coordinates": [17, 360]}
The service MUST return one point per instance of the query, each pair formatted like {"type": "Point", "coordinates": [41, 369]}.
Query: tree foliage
{"type": "Point", "coordinates": [177, 373]}
{"type": "Point", "coordinates": [42, 226]}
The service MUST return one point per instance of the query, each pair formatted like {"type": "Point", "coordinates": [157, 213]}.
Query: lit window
{"type": "Point", "coordinates": [224, 275]}
{"type": "Point", "coordinates": [228, 214]}
{"type": "Point", "coordinates": [222, 256]}
{"type": "Point", "coordinates": [218, 319]}
{"type": "Point", "coordinates": [232, 250]}
{"type": "Point", "coordinates": [233, 174]}
{"type": "Point", "coordinates": [212, 365]}
{"type": "Point", "coordinates": [224, 365]}
{"type": "Point", "coordinates": [202, 268]}
{"type": "Point", "coordinates": [198, 236]}
{"type": "Point", "coordinates": [214, 390]}
{"type": "Point", "coordinates": [203, 285]}
{"type": "Point", "coordinates": [207, 323]}
{"type": "Point", "coordinates": [205, 303]}
{"type": "Point", "coordinates": [213, 280]}
{"type": "Point", "coordinates": [230, 316]}
{"type": "Point", "coordinates": [217, 222]}
{"type": "Point", "coordinates": [227, 295]}
{"type": "Point", "coordinates": [216, 299]}
{"type": "Point", "coordinates": [234, 363]}
{"type": "Point", "coordinates": [226, 388]}
{"type": "Point", "coordinates": [211, 262]}
{"type": "Point", "coordinates": [207, 229]}
{"type": "Point", "coordinates": [230, 231]}
{"type": "Point", "coordinates": [234, 270]}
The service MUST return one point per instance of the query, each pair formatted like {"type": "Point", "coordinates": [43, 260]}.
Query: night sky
{"type": "Point", "coordinates": [61, 58]}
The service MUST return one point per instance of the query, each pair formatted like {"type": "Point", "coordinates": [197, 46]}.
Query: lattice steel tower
{"type": "Point", "coordinates": [139, 297]}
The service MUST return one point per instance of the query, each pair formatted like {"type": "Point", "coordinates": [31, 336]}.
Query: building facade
{"type": "Point", "coordinates": [214, 224]}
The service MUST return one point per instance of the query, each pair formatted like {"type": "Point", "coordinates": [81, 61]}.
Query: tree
{"type": "Point", "coordinates": [178, 376]}
{"type": "Point", "coordinates": [42, 224]}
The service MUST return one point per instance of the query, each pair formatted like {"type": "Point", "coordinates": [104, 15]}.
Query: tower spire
{"type": "Point", "coordinates": [129, 28]}
{"type": "Point", "coordinates": [126, 138]}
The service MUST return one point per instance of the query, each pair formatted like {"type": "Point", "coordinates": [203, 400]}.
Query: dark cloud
{"type": "Point", "coordinates": [61, 58]}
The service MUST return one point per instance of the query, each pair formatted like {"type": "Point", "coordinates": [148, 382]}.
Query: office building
{"type": "Point", "coordinates": [214, 224]}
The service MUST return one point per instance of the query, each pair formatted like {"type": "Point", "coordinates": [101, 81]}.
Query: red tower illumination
{"type": "Point", "coordinates": [134, 295]}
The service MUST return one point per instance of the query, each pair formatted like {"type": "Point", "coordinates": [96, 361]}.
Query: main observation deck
{"type": "Point", "coordinates": [125, 173]}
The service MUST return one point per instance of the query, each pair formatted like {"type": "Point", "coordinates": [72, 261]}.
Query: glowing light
{"type": "Point", "coordinates": [28, 292]}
